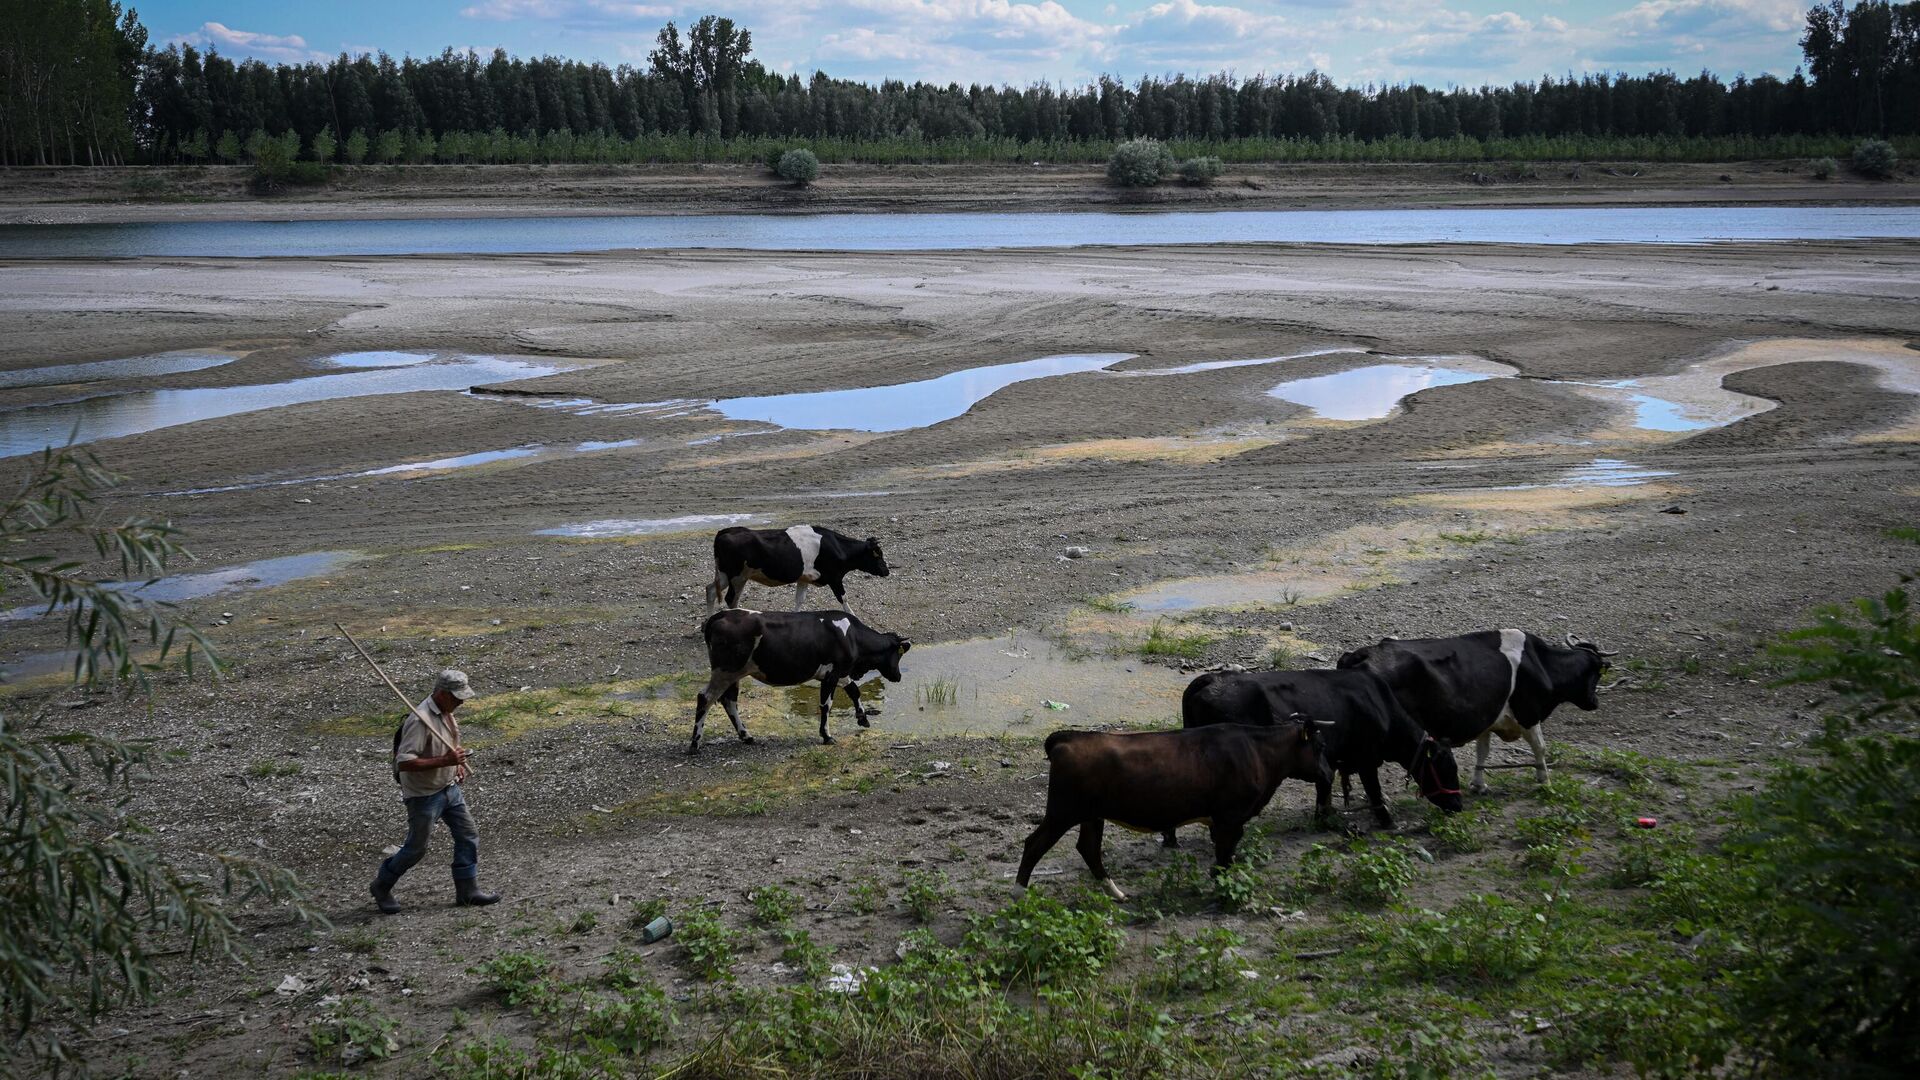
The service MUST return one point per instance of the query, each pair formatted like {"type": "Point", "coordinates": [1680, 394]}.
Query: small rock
{"type": "Point", "coordinates": [1078, 552]}
{"type": "Point", "coordinates": [1674, 510]}
{"type": "Point", "coordinates": [309, 501]}
{"type": "Point", "coordinates": [292, 984]}
{"type": "Point", "coordinates": [1287, 626]}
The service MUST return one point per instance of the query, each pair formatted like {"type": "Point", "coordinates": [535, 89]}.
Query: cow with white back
{"type": "Point", "coordinates": [787, 648]}
{"type": "Point", "coordinates": [1492, 682]}
{"type": "Point", "coordinates": [799, 556]}
{"type": "Point", "coordinates": [1363, 723]}
{"type": "Point", "coordinates": [1155, 781]}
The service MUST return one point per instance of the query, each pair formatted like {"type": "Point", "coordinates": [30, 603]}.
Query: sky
{"type": "Point", "coordinates": [1435, 42]}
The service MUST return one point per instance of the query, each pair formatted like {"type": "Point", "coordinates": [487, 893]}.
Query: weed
{"type": "Point", "coordinates": [1280, 658]}
{"type": "Point", "coordinates": [1315, 874]}
{"type": "Point", "coordinates": [364, 941]}
{"type": "Point", "coordinates": [1207, 961]}
{"type": "Point", "coordinates": [1162, 641]}
{"type": "Point", "coordinates": [1038, 940]}
{"type": "Point", "coordinates": [497, 1059]}
{"type": "Point", "coordinates": [1236, 886]}
{"type": "Point", "coordinates": [632, 1022]}
{"type": "Point", "coordinates": [1423, 1049]}
{"type": "Point", "coordinates": [708, 945]}
{"type": "Point", "coordinates": [925, 893]}
{"type": "Point", "coordinates": [645, 911]}
{"type": "Point", "coordinates": [1178, 886]}
{"type": "Point", "coordinates": [798, 949]}
{"type": "Point", "coordinates": [351, 1032]}
{"type": "Point", "coordinates": [773, 906]}
{"type": "Point", "coordinates": [1467, 538]}
{"type": "Point", "coordinates": [1109, 604]}
{"type": "Point", "coordinates": [1377, 872]}
{"type": "Point", "coordinates": [518, 978]}
{"type": "Point", "coordinates": [583, 923]}
{"type": "Point", "coordinates": [941, 691]}
{"type": "Point", "coordinates": [1463, 833]}
{"type": "Point", "coordinates": [866, 896]}
{"type": "Point", "coordinates": [1482, 939]}
{"type": "Point", "coordinates": [625, 970]}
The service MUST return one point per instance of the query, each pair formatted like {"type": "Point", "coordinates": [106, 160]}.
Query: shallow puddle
{"type": "Point", "coordinates": [1600, 472]}
{"type": "Point", "coordinates": [616, 527]}
{"type": "Point", "coordinates": [132, 367]}
{"type": "Point", "coordinates": [903, 406]}
{"type": "Point", "coordinates": [376, 359]}
{"type": "Point", "coordinates": [1257, 588]}
{"type": "Point", "coordinates": [24, 431]}
{"type": "Point", "coordinates": [990, 686]}
{"type": "Point", "coordinates": [1373, 391]}
{"type": "Point", "coordinates": [263, 574]}
{"type": "Point", "coordinates": [414, 468]}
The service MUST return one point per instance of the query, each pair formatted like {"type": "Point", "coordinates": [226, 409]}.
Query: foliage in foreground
{"type": "Point", "coordinates": [87, 906]}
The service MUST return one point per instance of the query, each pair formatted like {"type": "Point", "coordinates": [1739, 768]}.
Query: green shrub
{"type": "Point", "coordinates": [1377, 872]}
{"type": "Point", "coordinates": [1480, 940]}
{"type": "Point", "coordinates": [631, 1022]}
{"type": "Point", "coordinates": [1661, 1017]}
{"type": "Point", "coordinates": [866, 896]}
{"type": "Point", "coordinates": [798, 167]}
{"type": "Point", "coordinates": [1463, 833]}
{"type": "Point", "coordinates": [1236, 886]}
{"type": "Point", "coordinates": [518, 978]}
{"type": "Point", "coordinates": [1823, 168]}
{"type": "Point", "coordinates": [1875, 158]}
{"type": "Point", "coordinates": [643, 912]}
{"type": "Point", "coordinates": [707, 945]}
{"type": "Point", "coordinates": [1038, 940]}
{"type": "Point", "coordinates": [351, 1032]}
{"type": "Point", "coordinates": [1207, 961]}
{"type": "Point", "coordinates": [1201, 171]}
{"type": "Point", "coordinates": [925, 893]}
{"type": "Point", "coordinates": [1140, 163]}
{"type": "Point", "coordinates": [1423, 1049]}
{"type": "Point", "coordinates": [797, 948]}
{"type": "Point", "coordinates": [773, 906]}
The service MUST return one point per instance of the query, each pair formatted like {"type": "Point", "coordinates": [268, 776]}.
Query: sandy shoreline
{"type": "Point", "coordinates": [219, 193]}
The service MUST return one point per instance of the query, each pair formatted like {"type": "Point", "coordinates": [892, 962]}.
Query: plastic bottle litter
{"type": "Point", "coordinates": [1646, 822]}
{"type": "Point", "coordinates": [655, 930]}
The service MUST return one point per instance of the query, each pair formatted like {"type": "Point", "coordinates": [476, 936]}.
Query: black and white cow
{"type": "Point", "coordinates": [787, 648]}
{"type": "Point", "coordinates": [800, 556]}
{"type": "Point", "coordinates": [1487, 683]}
{"type": "Point", "coordinates": [1364, 726]}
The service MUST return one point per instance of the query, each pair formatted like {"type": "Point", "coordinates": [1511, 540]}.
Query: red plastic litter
{"type": "Point", "coordinates": [1646, 822]}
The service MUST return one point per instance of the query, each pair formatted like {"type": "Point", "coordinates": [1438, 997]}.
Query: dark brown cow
{"type": "Point", "coordinates": [1153, 781]}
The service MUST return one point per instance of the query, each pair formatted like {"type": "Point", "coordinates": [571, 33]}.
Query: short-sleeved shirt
{"type": "Point", "coordinates": [417, 740]}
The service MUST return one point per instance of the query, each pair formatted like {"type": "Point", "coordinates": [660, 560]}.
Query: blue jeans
{"type": "Point", "coordinates": [447, 805]}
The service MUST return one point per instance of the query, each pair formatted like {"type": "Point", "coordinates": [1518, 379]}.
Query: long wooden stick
{"type": "Point", "coordinates": [404, 700]}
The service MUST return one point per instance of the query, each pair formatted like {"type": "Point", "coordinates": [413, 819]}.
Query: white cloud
{"type": "Point", "coordinates": [289, 48]}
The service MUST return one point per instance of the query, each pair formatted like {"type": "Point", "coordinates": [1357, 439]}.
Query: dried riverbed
{"type": "Point", "coordinates": [1221, 524]}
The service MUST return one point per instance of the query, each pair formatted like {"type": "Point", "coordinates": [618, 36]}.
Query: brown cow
{"type": "Point", "coordinates": [1154, 781]}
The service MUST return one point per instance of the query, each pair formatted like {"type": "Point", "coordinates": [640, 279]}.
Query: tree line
{"type": "Point", "coordinates": [82, 86]}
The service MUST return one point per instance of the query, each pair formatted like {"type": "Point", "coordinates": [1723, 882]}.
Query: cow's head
{"type": "Point", "coordinates": [1580, 666]}
{"type": "Point", "coordinates": [871, 560]}
{"type": "Point", "coordinates": [889, 660]}
{"type": "Point", "coordinates": [1436, 774]}
{"type": "Point", "coordinates": [1313, 736]}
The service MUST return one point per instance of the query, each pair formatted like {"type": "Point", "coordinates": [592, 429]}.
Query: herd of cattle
{"type": "Point", "coordinates": [1409, 702]}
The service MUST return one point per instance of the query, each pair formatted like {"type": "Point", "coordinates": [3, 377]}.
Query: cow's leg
{"type": "Point", "coordinates": [1370, 780]}
{"type": "Point", "coordinates": [1323, 803]}
{"type": "Point", "coordinates": [734, 585]}
{"type": "Point", "coordinates": [1226, 837]}
{"type": "Point", "coordinates": [719, 685]}
{"type": "Point", "coordinates": [1539, 743]}
{"type": "Point", "coordinates": [716, 589]}
{"type": "Point", "coordinates": [1346, 789]}
{"type": "Point", "coordinates": [1480, 751]}
{"type": "Point", "coordinates": [799, 595]}
{"type": "Point", "coordinates": [826, 704]}
{"type": "Point", "coordinates": [853, 695]}
{"type": "Point", "coordinates": [731, 702]}
{"type": "Point", "coordinates": [1039, 842]}
{"type": "Point", "coordinates": [1089, 847]}
{"type": "Point", "coordinates": [840, 594]}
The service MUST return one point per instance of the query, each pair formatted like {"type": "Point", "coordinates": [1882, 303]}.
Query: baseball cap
{"type": "Point", "coordinates": [453, 682]}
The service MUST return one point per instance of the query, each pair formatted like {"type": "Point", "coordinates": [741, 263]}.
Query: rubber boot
{"type": "Point", "coordinates": [467, 893]}
{"type": "Point", "coordinates": [382, 890]}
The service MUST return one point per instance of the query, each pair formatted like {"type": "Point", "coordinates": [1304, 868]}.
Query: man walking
{"type": "Point", "coordinates": [429, 764]}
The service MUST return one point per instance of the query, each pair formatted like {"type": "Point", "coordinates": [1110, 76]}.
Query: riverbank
{"type": "Point", "coordinates": [218, 193]}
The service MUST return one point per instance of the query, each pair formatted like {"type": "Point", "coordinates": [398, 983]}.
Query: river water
{"type": "Point", "coordinates": [947, 232]}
